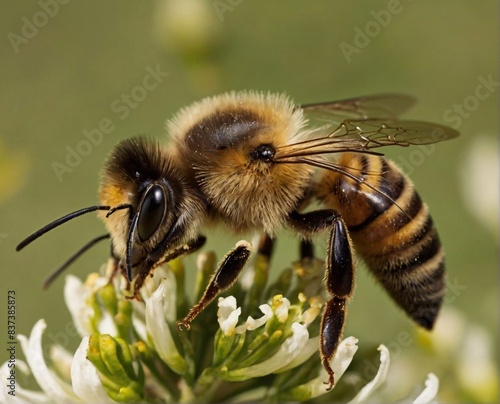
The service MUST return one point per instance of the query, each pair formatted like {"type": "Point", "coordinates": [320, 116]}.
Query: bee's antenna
{"type": "Point", "coordinates": [119, 207]}
{"type": "Point", "coordinates": [47, 282]}
{"type": "Point", "coordinates": [58, 222]}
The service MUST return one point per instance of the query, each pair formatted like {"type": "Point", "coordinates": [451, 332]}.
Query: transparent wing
{"type": "Point", "coordinates": [387, 106]}
{"type": "Point", "coordinates": [362, 124]}
{"type": "Point", "coordinates": [359, 125]}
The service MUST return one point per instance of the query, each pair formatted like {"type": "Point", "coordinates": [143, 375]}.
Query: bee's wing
{"type": "Point", "coordinates": [358, 125]}
{"type": "Point", "coordinates": [361, 124]}
{"type": "Point", "coordinates": [387, 106]}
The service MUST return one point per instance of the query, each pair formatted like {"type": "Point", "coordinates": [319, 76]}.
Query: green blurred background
{"type": "Point", "coordinates": [71, 70]}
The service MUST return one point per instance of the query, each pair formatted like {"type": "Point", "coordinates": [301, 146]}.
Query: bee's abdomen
{"type": "Point", "coordinates": [392, 231]}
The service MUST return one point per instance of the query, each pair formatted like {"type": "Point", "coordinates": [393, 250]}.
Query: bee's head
{"type": "Point", "coordinates": [147, 206]}
{"type": "Point", "coordinates": [153, 208]}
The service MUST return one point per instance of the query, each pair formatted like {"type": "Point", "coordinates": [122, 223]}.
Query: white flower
{"type": "Point", "coordinates": [84, 377]}
{"type": "Point", "coordinates": [144, 358]}
{"type": "Point", "coordinates": [252, 324]}
{"type": "Point", "coordinates": [379, 378]}
{"type": "Point", "coordinates": [158, 328]}
{"type": "Point", "coordinates": [312, 312]}
{"type": "Point", "coordinates": [309, 349]}
{"type": "Point", "coordinates": [86, 384]}
{"type": "Point", "coordinates": [286, 353]}
{"type": "Point", "coordinates": [52, 385]}
{"type": "Point", "coordinates": [76, 296]}
{"type": "Point", "coordinates": [468, 348]}
{"type": "Point", "coordinates": [228, 315]}
{"type": "Point", "coordinates": [291, 351]}
{"type": "Point", "coordinates": [430, 391]}
{"type": "Point", "coordinates": [476, 367]}
{"type": "Point", "coordinates": [339, 363]}
{"type": "Point", "coordinates": [295, 350]}
{"type": "Point", "coordinates": [480, 179]}
{"type": "Point", "coordinates": [186, 25]}
{"type": "Point", "coordinates": [21, 395]}
{"type": "Point", "coordinates": [282, 304]}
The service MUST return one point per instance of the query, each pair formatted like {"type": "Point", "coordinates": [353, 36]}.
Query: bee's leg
{"type": "Point", "coordinates": [189, 248]}
{"type": "Point", "coordinates": [340, 271]}
{"type": "Point", "coordinates": [117, 268]}
{"type": "Point", "coordinates": [306, 249]}
{"type": "Point", "coordinates": [226, 274]}
{"type": "Point", "coordinates": [266, 246]}
{"type": "Point", "coordinates": [149, 265]}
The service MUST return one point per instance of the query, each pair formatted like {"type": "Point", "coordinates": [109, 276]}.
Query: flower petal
{"type": "Point", "coordinates": [309, 349]}
{"type": "Point", "coordinates": [226, 306]}
{"type": "Point", "coordinates": [75, 294]}
{"type": "Point", "coordinates": [151, 284]}
{"type": "Point", "coordinates": [380, 377]}
{"type": "Point", "coordinates": [311, 314]}
{"type": "Point", "coordinates": [290, 348]}
{"type": "Point", "coordinates": [159, 331]}
{"type": "Point", "coordinates": [170, 295]}
{"type": "Point", "coordinates": [252, 324]}
{"type": "Point", "coordinates": [21, 395]}
{"type": "Point", "coordinates": [340, 362]}
{"type": "Point", "coordinates": [281, 305]}
{"type": "Point", "coordinates": [61, 360]}
{"type": "Point", "coordinates": [107, 324]}
{"type": "Point", "coordinates": [430, 391]}
{"type": "Point", "coordinates": [85, 379]}
{"type": "Point", "coordinates": [139, 327]}
{"type": "Point", "coordinates": [228, 315]}
{"type": "Point", "coordinates": [55, 388]}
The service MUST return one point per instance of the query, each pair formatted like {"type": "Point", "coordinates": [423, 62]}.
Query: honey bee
{"type": "Point", "coordinates": [254, 162]}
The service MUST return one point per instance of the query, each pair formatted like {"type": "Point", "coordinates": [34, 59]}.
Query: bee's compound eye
{"type": "Point", "coordinates": [152, 212]}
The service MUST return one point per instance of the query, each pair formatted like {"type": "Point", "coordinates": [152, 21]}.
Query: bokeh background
{"type": "Point", "coordinates": [68, 67]}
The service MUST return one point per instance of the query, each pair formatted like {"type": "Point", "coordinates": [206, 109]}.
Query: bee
{"type": "Point", "coordinates": [254, 162]}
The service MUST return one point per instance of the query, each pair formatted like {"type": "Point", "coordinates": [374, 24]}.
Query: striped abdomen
{"type": "Point", "coordinates": [392, 232]}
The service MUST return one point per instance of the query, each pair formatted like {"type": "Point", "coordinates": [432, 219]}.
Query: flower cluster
{"type": "Point", "coordinates": [132, 351]}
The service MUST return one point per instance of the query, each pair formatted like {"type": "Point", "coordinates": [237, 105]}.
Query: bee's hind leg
{"type": "Point", "coordinates": [339, 279]}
